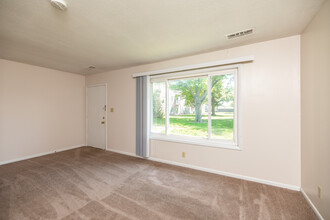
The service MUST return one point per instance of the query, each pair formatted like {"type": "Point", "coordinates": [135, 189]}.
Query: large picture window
{"type": "Point", "coordinates": [199, 107]}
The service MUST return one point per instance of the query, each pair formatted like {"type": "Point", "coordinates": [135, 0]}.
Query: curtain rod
{"type": "Point", "coordinates": [197, 66]}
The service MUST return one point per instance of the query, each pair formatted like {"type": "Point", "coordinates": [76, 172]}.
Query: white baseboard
{"type": "Point", "coordinates": [39, 155]}
{"type": "Point", "coordinates": [312, 205]}
{"type": "Point", "coordinates": [237, 176]}
{"type": "Point", "coordinates": [123, 152]}
{"type": "Point", "coordinates": [267, 182]}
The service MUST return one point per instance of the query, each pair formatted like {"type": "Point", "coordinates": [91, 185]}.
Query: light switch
{"type": "Point", "coordinates": [111, 109]}
{"type": "Point", "coordinates": [319, 192]}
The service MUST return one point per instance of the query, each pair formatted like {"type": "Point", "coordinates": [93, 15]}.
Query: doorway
{"type": "Point", "coordinates": [96, 116]}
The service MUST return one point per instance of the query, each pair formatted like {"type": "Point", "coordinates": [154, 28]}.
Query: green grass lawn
{"type": "Point", "coordinates": [222, 125]}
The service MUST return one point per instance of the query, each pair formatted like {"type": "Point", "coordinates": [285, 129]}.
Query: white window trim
{"type": "Point", "coordinates": [195, 141]}
{"type": "Point", "coordinates": [219, 143]}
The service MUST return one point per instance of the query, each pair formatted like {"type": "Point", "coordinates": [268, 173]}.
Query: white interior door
{"type": "Point", "coordinates": [96, 116]}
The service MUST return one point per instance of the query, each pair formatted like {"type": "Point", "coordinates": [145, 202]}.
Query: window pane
{"type": "Point", "coordinates": [158, 107]}
{"type": "Point", "coordinates": [222, 109]}
{"type": "Point", "coordinates": [188, 107]}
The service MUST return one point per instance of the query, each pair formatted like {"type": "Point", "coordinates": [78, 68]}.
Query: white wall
{"type": "Point", "coordinates": [41, 110]}
{"type": "Point", "coordinates": [270, 113]}
{"type": "Point", "coordinates": [315, 109]}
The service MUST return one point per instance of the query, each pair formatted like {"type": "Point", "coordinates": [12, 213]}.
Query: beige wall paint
{"type": "Point", "coordinates": [269, 113]}
{"type": "Point", "coordinates": [315, 109]}
{"type": "Point", "coordinates": [41, 110]}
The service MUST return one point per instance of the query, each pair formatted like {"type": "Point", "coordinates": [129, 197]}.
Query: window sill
{"type": "Point", "coordinates": [195, 141]}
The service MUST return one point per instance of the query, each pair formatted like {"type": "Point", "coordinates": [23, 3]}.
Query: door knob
{"type": "Point", "coordinates": [102, 122]}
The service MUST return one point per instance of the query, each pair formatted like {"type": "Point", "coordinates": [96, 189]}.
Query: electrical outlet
{"type": "Point", "coordinates": [183, 154]}
{"type": "Point", "coordinates": [319, 192]}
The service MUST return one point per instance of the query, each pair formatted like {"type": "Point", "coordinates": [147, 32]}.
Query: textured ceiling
{"type": "Point", "coordinates": [112, 34]}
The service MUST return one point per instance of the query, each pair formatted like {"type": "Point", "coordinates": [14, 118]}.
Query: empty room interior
{"type": "Point", "coordinates": [151, 109]}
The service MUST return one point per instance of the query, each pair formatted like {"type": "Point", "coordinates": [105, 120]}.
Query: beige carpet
{"type": "Point", "coordinates": [88, 183]}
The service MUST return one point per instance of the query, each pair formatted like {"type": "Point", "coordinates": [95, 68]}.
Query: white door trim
{"type": "Point", "coordinates": [106, 113]}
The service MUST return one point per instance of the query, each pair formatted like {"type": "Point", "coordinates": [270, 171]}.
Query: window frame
{"type": "Point", "coordinates": [209, 141]}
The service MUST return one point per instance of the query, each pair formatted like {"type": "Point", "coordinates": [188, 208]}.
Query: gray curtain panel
{"type": "Point", "coordinates": [142, 111]}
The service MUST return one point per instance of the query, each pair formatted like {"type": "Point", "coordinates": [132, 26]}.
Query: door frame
{"type": "Point", "coordinates": [106, 112]}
